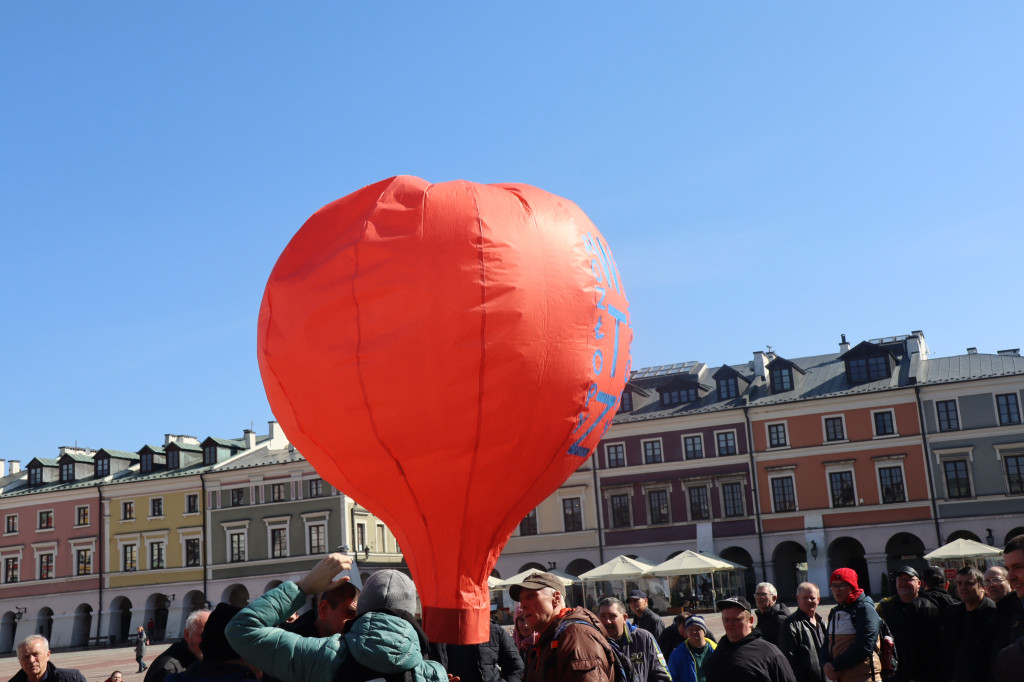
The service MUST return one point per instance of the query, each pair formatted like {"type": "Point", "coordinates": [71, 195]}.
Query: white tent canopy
{"type": "Point", "coordinates": [619, 568]}
{"type": "Point", "coordinates": [693, 563]}
{"type": "Point", "coordinates": [962, 549]}
{"type": "Point", "coordinates": [564, 578]}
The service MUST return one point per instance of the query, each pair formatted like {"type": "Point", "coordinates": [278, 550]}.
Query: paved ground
{"type": "Point", "coordinates": [97, 664]}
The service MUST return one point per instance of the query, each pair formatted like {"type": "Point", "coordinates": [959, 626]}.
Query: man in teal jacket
{"type": "Point", "coordinates": [384, 638]}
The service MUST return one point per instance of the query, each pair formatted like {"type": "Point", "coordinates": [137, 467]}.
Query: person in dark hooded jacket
{"type": "Point", "coordinates": [743, 655]}
{"type": "Point", "coordinates": [495, 660]}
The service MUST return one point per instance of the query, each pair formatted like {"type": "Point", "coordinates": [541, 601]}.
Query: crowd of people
{"type": "Point", "coordinates": [976, 635]}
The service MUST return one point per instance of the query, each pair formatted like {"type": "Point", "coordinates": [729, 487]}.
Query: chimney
{"type": "Point", "coordinates": [843, 345]}
{"type": "Point", "coordinates": [2, 472]}
{"type": "Point", "coordinates": [15, 466]}
{"type": "Point", "coordinates": [915, 344]}
{"type": "Point", "coordinates": [972, 351]}
{"type": "Point", "coordinates": [250, 439]}
{"type": "Point", "coordinates": [760, 365]}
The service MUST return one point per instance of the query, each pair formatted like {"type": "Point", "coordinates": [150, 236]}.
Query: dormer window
{"type": "Point", "coordinates": [210, 455]}
{"type": "Point", "coordinates": [67, 472]}
{"type": "Point", "coordinates": [626, 404]}
{"type": "Point", "coordinates": [870, 368]}
{"type": "Point", "coordinates": [147, 462]}
{"type": "Point", "coordinates": [173, 459]}
{"type": "Point", "coordinates": [782, 379]}
{"type": "Point", "coordinates": [35, 476]}
{"type": "Point", "coordinates": [102, 466]}
{"type": "Point", "coordinates": [686, 395]}
{"type": "Point", "coordinates": [727, 388]}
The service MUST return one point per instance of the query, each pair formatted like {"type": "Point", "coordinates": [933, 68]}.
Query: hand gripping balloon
{"type": "Point", "coordinates": [447, 355]}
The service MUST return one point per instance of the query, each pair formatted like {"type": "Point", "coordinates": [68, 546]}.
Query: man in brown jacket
{"type": "Point", "coordinates": [571, 646]}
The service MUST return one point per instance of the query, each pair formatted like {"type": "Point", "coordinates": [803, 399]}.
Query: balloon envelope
{"type": "Point", "coordinates": [447, 355]}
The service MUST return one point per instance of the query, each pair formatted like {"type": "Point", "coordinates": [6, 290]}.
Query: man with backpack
{"type": "Point", "coordinates": [637, 644]}
{"type": "Point", "coordinates": [571, 646]}
{"type": "Point", "coordinates": [851, 636]}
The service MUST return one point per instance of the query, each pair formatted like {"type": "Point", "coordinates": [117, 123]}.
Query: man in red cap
{"type": "Point", "coordinates": [852, 632]}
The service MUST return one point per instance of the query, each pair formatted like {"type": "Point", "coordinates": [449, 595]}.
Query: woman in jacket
{"type": "Point", "coordinates": [852, 635]}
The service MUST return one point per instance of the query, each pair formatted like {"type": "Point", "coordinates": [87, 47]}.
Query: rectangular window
{"type": "Point", "coordinates": [316, 487]}
{"type": "Point", "coordinates": [318, 539]}
{"type": "Point", "coordinates": [694, 446]}
{"type": "Point", "coordinates": [699, 508]}
{"type": "Point", "coordinates": [173, 459]}
{"type": "Point", "coordinates": [858, 370]}
{"type": "Point", "coordinates": [620, 511]}
{"type": "Point", "coordinates": [1009, 409]}
{"type": "Point", "coordinates": [878, 367]}
{"type": "Point", "coordinates": [35, 475]}
{"type": "Point", "coordinates": [156, 506]}
{"type": "Point", "coordinates": [238, 497]}
{"type": "Point", "coordinates": [891, 481]}
{"type": "Point", "coordinates": [210, 455]}
{"type": "Point", "coordinates": [127, 510]}
{"type": "Point", "coordinates": [156, 555]}
{"type": "Point", "coordinates": [130, 560]}
{"type": "Point", "coordinates": [146, 462]}
{"type": "Point", "coordinates": [45, 519]}
{"type": "Point", "coordinates": [277, 492]}
{"type": "Point", "coordinates": [726, 443]}
{"type": "Point", "coordinates": [777, 436]}
{"type": "Point", "coordinates": [884, 424]}
{"type": "Point", "coordinates": [782, 380]}
{"type": "Point", "coordinates": [727, 388]}
{"type": "Point", "coordinates": [657, 501]}
{"type": "Point", "coordinates": [46, 566]}
{"type": "Point", "coordinates": [616, 455]}
{"type": "Point", "coordinates": [626, 403]}
{"type": "Point", "coordinates": [83, 560]}
{"type": "Point", "coordinates": [572, 514]}
{"type": "Point", "coordinates": [686, 395]}
{"type": "Point", "coordinates": [237, 547]}
{"type": "Point", "coordinates": [193, 555]}
{"type": "Point", "coordinates": [67, 472]}
{"type": "Point", "coordinates": [11, 570]}
{"type": "Point", "coordinates": [360, 535]}
{"type": "Point", "coordinates": [192, 504]}
{"type": "Point", "coordinates": [958, 482]}
{"type": "Point", "coordinates": [528, 526]}
{"type": "Point", "coordinates": [278, 543]}
{"type": "Point", "coordinates": [841, 485]}
{"type": "Point", "coordinates": [102, 467]}
{"type": "Point", "coordinates": [81, 516]}
{"type": "Point", "coordinates": [783, 494]}
{"type": "Point", "coordinates": [11, 523]}
{"type": "Point", "coordinates": [1015, 474]}
{"type": "Point", "coordinates": [381, 545]}
{"type": "Point", "coordinates": [948, 419]}
{"type": "Point", "coordinates": [732, 494]}
{"type": "Point", "coordinates": [834, 429]}
{"type": "Point", "coordinates": [652, 451]}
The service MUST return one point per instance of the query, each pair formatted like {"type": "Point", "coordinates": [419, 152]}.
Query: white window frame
{"type": "Point", "coordinates": [316, 519]}
{"type": "Point", "coordinates": [566, 494]}
{"type": "Point", "coordinates": [656, 488]}
{"type": "Point", "coordinates": [785, 473]}
{"type": "Point", "coordinates": [148, 540]}
{"type": "Point", "coordinates": [14, 552]}
{"type": "Point", "coordinates": [720, 484]}
{"type": "Point", "coordinates": [959, 418]}
{"type": "Point", "coordinates": [607, 458]}
{"type": "Point", "coordinates": [682, 443]}
{"type": "Point", "coordinates": [135, 511]}
{"type": "Point", "coordinates": [283, 487]}
{"type": "Point", "coordinates": [768, 435]}
{"type": "Point", "coordinates": [735, 442]}
{"type": "Point", "coordinates": [17, 524]}
{"type": "Point", "coordinates": [643, 451]}
{"type": "Point", "coordinates": [689, 508]}
{"type": "Point", "coordinates": [53, 521]}
{"type": "Point", "coordinates": [890, 462]}
{"type": "Point", "coordinates": [199, 507]}
{"type": "Point", "coordinates": [278, 523]}
{"type": "Point", "coordinates": [824, 429]}
{"type": "Point", "coordinates": [234, 528]}
{"type": "Point", "coordinates": [995, 406]}
{"type": "Point", "coordinates": [965, 453]}
{"type": "Point", "coordinates": [78, 508]}
{"type": "Point", "coordinates": [895, 428]}
{"type": "Point", "coordinates": [122, 543]}
{"type": "Point", "coordinates": [191, 534]}
{"type": "Point", "coordinates": [836, 468]}
{"type": "Point", "coordinates": [163, 508]}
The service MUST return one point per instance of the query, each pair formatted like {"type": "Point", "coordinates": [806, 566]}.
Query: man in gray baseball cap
{"type": "Point", "coordinates": [571, 645]}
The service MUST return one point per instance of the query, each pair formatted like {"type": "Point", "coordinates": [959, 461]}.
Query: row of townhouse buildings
{"type": "Point", "coordinates": [867, 457]}
{"type": "Point", "coordinates": [97, 543]}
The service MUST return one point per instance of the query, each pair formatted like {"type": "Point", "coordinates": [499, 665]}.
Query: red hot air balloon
{"type": "Point", "coordinates": [447, 355]}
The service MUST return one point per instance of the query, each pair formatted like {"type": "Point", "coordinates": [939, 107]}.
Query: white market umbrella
{"type": "Point", "coordinates": [620, 568]}
{"type": "Point", "coordinates": [694, 563]}
{"type": "Point", "coordinates": [962, 549]}
{"type": "Point", "coordinates": [563, 578]}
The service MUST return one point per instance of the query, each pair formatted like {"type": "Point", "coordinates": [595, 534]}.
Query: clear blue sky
{"type": "Point", "coordinates": [766, 173]}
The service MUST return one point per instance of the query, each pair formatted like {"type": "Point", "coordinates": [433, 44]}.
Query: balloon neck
{"type": "Point", "coordinates": [457, 626]}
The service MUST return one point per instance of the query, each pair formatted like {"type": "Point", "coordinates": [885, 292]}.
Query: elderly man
{"type": "Point", "coordinates": [571, 645]}
{"type": "Point", "coordinates": [645, 617]}
{"type": "Point", "coordinates": [638, 644]}
{"type": "Point", "coordinates": [913, 621]}
{"type": "Point", "coordinates": [220, 661]}
{"type": "Point", "coordinates": [180, 655]}
{"type": "Point", "coordinates": [770, 613]}
{"type": "Point", "coordinates": [743, 654]}
{"type": "Point", "coordinates": [688, 660]}
{"type": "Point", "coordinates": [34, 658]}
{"type": "Point", "coordinates": [802, 635]}
{"type": "Point", "coordinates": [967, 630]}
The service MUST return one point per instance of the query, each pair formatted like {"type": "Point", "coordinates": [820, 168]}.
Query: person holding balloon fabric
{"type": "Point", "coordinates": [384, 638]}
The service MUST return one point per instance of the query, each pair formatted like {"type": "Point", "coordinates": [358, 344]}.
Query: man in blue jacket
{"type": "Point", "coordinates": [637, 644]}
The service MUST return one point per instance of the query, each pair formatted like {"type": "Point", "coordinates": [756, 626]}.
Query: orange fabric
{"type": "Point", "coordinates": [447, 355]}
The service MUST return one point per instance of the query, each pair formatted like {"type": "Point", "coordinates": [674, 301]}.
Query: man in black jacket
{"type": "Point", "coordinates": [967, 630]}
{"type": "Point", "coordinates": [770, 613]}
{"type": "Point", "coordinates": [802, 635]}
{"type": "Point", "coordinates": [743, 655]}
{"type": "Point", "coordinates": [34, 658]}
{"type": "Point", "coordinates": [492, 661]}
{"type": "Point", "coordinates": [180, 655]}
{"type": "Point", "coordinates": [643, 616]}
{"type": "Point", "coordinates": [914, 624]}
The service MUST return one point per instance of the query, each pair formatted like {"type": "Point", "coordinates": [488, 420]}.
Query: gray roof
{"type": "Point", "coordinates": [968, 367]}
